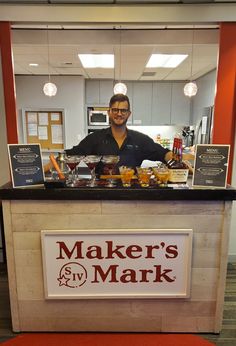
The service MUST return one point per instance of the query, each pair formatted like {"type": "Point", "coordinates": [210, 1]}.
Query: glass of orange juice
{"type": "Point", "coordinates": [126, 175]}
{"type": "Point", "coordinates": [162, 175]}
{"type": "Point", "coordinates": [144, 175]}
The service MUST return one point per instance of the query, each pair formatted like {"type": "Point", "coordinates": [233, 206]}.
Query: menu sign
{"type": "Point", "coordinates": [211, 165]}
{"type": "Point", "coordinates": [26, 164]}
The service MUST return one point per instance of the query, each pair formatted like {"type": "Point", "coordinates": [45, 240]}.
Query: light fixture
{"type": "Point", "coordinates": [165, 60]}
{"type": "Point", "coordinates": [33, 64]}
{"type": "Point", "coordinates": [97, 60]}
{"type": "Point", "coordinates": [190, 88]}
{"type": "Point", "coordinates": [49, 88]}
{"type": "Point", "coordinates": [120, 88]}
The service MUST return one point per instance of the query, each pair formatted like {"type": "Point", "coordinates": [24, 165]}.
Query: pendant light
{"type": "Point", "coordinates": [49, 88]}
{"type": "Point", "coordinates": [190, 89]}
{"type": "Point", "coordinates": [120, 88]}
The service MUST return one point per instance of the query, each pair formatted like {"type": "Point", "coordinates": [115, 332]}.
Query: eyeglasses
{"type": "Point", "coordinates": [123, 111]}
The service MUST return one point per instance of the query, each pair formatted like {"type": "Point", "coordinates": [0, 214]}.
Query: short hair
{"type": "Point", "coordinates": [119, 98]}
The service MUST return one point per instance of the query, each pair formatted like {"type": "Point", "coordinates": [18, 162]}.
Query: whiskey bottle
{"type": "Point", "coordinates": [178, 171]}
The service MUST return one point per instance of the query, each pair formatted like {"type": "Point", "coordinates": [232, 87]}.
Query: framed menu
{"type": "Point", "coordinates": [26, 164]}
{"type": "Point", "coordinates": [211, 165]}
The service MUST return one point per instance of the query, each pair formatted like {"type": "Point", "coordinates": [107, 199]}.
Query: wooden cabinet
{"type": "Point", "coordinates": [161, 103]}
{"type": "Point", "coordinates": [180, 105]}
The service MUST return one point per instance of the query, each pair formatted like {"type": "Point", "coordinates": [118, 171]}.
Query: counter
{"type": "Point", "coordinates": [27, 212]}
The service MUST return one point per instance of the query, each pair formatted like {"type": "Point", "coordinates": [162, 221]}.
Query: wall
{"type": "Point", "coordinates": [4, 171]}
{"type": "Point", "coordinates": [205, 96]}
{"type": "Point", "coordinates": [70, 97]}
{"type": "Point", "coordinates": [232, 243]}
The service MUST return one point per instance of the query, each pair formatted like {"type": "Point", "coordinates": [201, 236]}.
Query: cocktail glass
{"type": "Point", "coordinates": [72, 161]}
{"type": "Point", "coordinates": [110, 162]}
{"type": "Point", "coordinates": [126, 175]}
{"type": "Point", "coordinates": [144, 175]}
{"type": "Point", "coordinates": [92, 161]}
{"type": "Point", "coordinates": [162, 175]}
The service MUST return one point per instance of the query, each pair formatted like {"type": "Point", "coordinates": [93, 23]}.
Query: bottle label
{"type": "Point", "coordinates": [178, 175]}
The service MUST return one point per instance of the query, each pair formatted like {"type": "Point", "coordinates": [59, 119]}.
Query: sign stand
{"type": "Point", "coordinates": [26, 165]}
{"type": "Point", "coordinates": [211, 165]}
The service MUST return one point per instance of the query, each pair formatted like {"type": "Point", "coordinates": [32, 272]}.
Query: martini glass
{"type": "Point", "coordinates": [92, 161]}
{"type": "Point", "coordinates": [110, 162]}
{"type": "Point", "coordinates": [72, 161]}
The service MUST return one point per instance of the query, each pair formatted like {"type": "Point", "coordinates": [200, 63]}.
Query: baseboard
{"type": "Point", "coordinates": [231, 258]}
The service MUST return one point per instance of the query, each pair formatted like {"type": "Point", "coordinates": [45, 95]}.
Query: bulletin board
{"type": "Point", "coordinates": [45, 127]}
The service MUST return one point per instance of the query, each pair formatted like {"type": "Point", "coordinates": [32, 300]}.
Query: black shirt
{"type": "Point", "coordinates": [135, 148]}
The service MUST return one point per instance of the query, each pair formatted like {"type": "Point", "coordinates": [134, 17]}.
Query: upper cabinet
{"type": "Point", "coordinates": [98, 92]}
{"type": "Point", "coordinates": [161, 105]}
{"type": "Point", "coordinates": [142, 103]}
{"type": "Point", "coordinates": [106, 91]}
{"type": "Point", "coordinates": [92, 91]}
{"type": "Point", "coordinates": [152, 103]}
{"type": "Point", "coordinates": [180, 105]}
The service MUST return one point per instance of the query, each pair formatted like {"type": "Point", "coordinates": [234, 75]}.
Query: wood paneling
{"type": "Point", "coordinates": [227, 337]}
{"type": "Point", "coordinates": [209, 221]}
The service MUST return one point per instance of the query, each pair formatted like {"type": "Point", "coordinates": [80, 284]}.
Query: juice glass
{"type": "Point", "coordinates": [162, 175]}
{"type": "Point", "coordinates": [126, 175]}
{"type": "Point", "coordinates": [144, 175]}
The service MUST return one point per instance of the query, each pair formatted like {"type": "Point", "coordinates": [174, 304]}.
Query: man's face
{"type": "Point", "coordinates": [119, 113]}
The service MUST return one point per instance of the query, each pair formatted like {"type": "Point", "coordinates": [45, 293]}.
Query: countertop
{"type": "Point", "coordinates": [7, 192]}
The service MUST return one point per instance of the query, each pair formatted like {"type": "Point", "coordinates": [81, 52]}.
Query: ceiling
{"type": "Point", "coordinates": [130, 45]}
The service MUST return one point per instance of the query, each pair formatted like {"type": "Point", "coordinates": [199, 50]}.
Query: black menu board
{"type": "Point", "coordinates": [26, 164]}
{"type": "Point", "coordinates": [211, 165]}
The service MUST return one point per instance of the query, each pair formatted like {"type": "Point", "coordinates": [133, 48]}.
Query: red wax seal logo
{"type": "Point", "coordinates": [72, 275]}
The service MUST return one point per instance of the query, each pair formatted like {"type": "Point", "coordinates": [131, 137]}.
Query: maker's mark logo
{"type": "Point", "coordinates": [72, 275]}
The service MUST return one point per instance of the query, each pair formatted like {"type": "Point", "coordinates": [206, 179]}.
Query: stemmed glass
{"type": "Point", "coordinates": [92, 161]}
{"type": "Point", "coordinates": [72, 161]}
{"type": "Point", "coordinates": [110, 162]}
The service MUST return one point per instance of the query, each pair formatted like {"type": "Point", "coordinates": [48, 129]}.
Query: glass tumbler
{"type": "Point", "coordinates": [144, 175]}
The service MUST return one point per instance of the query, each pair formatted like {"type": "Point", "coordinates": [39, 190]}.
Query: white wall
{"type": "Point", "coordinates": [4, 167]}
{"type": "Point", "coordinates": [4, 171]}
{"type": "Point", "coordinates": [232, 243]}
{"type": "Point", "coordinates": [205, 96]}
{"type": "Point", "coordinates": [70, 97]}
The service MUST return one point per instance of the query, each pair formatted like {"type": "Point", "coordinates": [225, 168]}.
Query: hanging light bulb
{"type": "Point", "coordinates": [49, 88]}
{"type": "Point", "coordinates": [120, 88]}
{"type": "Point", "coordinates": [190, 88]}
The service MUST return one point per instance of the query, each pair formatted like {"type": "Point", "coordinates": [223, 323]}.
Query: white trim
{"type": "Point", "coordinates": [119, 14]}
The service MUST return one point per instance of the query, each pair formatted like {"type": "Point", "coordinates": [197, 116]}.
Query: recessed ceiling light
{"type": "Point", "coordinates": [97, 60]}
{"type": "Point", "coordinates": [33, 64]}
{"type": "Point", "coordinates": [166, 60]}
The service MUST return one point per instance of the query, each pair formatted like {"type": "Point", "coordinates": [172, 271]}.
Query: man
{"type": "Point", "coordinates": [132, 146]}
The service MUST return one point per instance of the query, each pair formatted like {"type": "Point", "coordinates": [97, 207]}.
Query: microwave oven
{"type": "Point", "coordinates": [98, 117]}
